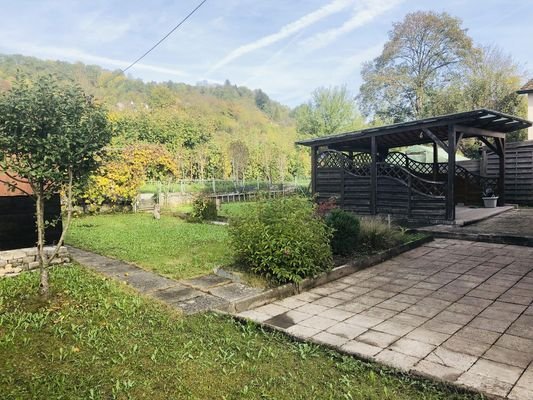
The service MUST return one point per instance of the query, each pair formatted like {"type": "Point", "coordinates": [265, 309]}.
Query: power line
{"type": "Point", "coordinates": [164, 37]}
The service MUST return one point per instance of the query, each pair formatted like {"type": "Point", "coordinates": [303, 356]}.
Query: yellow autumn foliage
{"type": "Point", "coordinates": [120, 176]}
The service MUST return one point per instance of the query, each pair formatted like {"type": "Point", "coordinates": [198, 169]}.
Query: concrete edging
{"type": "Point", "coordinates": [290, 289]}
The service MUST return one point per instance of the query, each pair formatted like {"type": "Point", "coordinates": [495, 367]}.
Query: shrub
{"type": "Point", "coordinates": [204, 209]}
{"type": "Point", "coordinates": [282, 239]}
{"type": "Point", "coordinates": [345, 231]}
{"type": "Point", "coordinates": [324, 208]}
{"type": "Point", "coordinates": [375, 234]}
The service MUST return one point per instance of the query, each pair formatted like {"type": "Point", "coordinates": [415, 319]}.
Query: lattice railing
{"type": "Point", "coordinates": [442, 169]}
{"type": "Point", "coordinates": [333, 159]}
{"type": "Point", "coordinates": [360, 166]}
{"type": "Point", "coordinates": [423, 186]}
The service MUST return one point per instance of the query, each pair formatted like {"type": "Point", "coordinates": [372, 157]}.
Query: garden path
{"type": "Point", "coordinates": [190, 296]}
{"type": "Point", "coordinates": [457, 311]}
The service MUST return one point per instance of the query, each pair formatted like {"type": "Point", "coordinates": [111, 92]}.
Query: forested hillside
{"type": "Point", "coordinates": [210, 131]}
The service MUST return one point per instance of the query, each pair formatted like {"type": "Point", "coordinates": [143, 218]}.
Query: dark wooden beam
{"type": "Point", "coordinates": [435, 161]}
{"type": "Point", "coordinates": [430, 135]}
{"type": "Point", "coordinates": [500, 143]}
{"type": "Point", "coordinates": [459, 138]}
{"type": "Point", "coordinates": [479, 132]}
{"type": "Point", "coordinates": [488, 120]}
{"type": "Point", "coordinates": [489, 144]}
{"type": "Point", "coordinates": [373, 177]}
{"type": "Point", "coordinates": [499, 147]}
{"type": "Point", "coordinates": [314, 160]}
{"type": "Point", "coordinates": [450, 192]}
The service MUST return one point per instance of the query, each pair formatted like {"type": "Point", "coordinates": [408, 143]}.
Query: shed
{"type": "Point", "coordinates": [18, 227]}
{"type": "Point", "coordinates": [366, 176]}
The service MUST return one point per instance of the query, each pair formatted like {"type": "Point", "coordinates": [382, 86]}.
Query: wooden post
{"type": "Point", "coordinates": [314, 160]}
{"type": "Point", "coordinates": [483, 163]}
{"type": "Point", "coordinates": [450, 192]}
{"type": "Point", "coordinates": [373, 176]}
{"type": "Point", "coordinates": [500, 142]}
{"type": "Point", "coordinates": [435, 161]}
{"type": "Point", "coordinates": [342, 188]}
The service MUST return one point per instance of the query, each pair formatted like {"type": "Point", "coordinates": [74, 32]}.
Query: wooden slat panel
{"type": "Point", "coordinates": [518, 172]}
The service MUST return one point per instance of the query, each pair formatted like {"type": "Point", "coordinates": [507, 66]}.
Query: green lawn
{"type": "Point", "coordinates": [96, 339]}
{"type": "Point", "coordinates": [169, 246]}
{"type": "Point", "coordinates": [227, 210]}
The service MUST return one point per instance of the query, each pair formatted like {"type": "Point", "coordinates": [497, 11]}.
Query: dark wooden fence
{"type": "Point", "coordinates": [518, 171]}
{"type": "Point", "coordinates": [17, 222]}
{"type": "Point", "coordinates": [398, 192]}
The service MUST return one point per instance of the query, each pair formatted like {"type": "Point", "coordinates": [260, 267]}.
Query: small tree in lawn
{"type": "Point", "coordinates": [51, 135]}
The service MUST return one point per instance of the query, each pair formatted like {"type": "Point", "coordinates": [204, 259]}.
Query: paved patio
{"type": "Point", "coordinates": [457, 311]}
{"type": "Point", "coordinates": [512, 227]}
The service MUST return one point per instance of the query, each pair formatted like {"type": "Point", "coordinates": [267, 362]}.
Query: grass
{"type": "Point", "coordinates": [227, 210]}
{"type": "Point", "coordinates": [169, 246]}
{"type": "Point", "coordinates": [96, 339]}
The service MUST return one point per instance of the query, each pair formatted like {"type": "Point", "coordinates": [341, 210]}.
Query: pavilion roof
{"type": "Point", "coordinates": [482, 122]}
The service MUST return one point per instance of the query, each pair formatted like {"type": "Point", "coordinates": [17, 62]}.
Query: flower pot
{"type": "Point", "coordinates": [490, 202]}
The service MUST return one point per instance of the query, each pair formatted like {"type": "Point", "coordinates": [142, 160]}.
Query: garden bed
{"type": "Point", "coordinates": [350, 266]}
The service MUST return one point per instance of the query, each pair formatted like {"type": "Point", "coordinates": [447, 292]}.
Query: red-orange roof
{"type": "Point", "coordinates": [6, 191]}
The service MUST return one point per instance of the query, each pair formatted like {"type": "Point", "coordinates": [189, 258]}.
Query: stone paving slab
{"type": "Point", "coordinates": [457, 311]}
{"type": "Point", "coordinates": [208, 292]}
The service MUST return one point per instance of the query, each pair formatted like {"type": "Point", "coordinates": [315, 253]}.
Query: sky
{"type": "Point", "coordinates": [288, 48]}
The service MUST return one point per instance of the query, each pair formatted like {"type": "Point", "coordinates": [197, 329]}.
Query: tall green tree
{"type": "Point", "coordinates": [422, 53]}
{"type": "Point", "coordinates": [489, 79]}
{"type": "Point", "coordinates": [51, 136]}
{"type": "Point", "coordinates": [330, 110]}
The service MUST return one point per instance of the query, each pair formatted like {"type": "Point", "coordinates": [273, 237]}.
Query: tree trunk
{"type": "Point", "coordinates": [43, 260]}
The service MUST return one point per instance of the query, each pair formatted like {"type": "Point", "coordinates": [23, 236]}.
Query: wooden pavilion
{"type": "Point", "coordinates": [361, 170]}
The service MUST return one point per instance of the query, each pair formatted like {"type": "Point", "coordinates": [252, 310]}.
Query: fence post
{"type": "Point", "coordinates": [214, 186]}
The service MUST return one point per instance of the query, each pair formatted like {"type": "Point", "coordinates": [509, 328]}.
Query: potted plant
{"type": "Point", "coordinates": [489, 198]}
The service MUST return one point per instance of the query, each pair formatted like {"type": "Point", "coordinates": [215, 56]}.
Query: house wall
{"type": "Point", "coordinates": [6, 191]}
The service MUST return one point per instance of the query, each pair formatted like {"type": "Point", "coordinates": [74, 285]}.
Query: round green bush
{"type": "Point", "coordinates": [204, 209]}
{"type": "Point", "coordinates": [345, 231]}
{"type": "Point", "coordinates": [282, 239]}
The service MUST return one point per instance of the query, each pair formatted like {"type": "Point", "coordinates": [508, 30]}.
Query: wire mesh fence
{"type": "Point", "coordinates": [218, 186]}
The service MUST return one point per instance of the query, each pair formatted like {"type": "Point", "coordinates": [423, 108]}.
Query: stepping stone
{"type": "Point", "coordinates": [176, 294]}
{"type": "Point", "coordinates": [206, 282]}
{"type": "Point", "coordinates": [147, 282]}
{"type": "Point", "coordinates": [234, 291]}
{"type": "Point", "coordinates": [202, 303]}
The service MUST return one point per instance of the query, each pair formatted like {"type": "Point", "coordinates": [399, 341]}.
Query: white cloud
{"type": "Point", "coordinates": [363, 14]}
{"type": "Point", "coordinates": [286, 31]}
{"type": "Point", "coordinates": [353, 63]}
{"type": "Point", "coordinates": [97, 27]}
